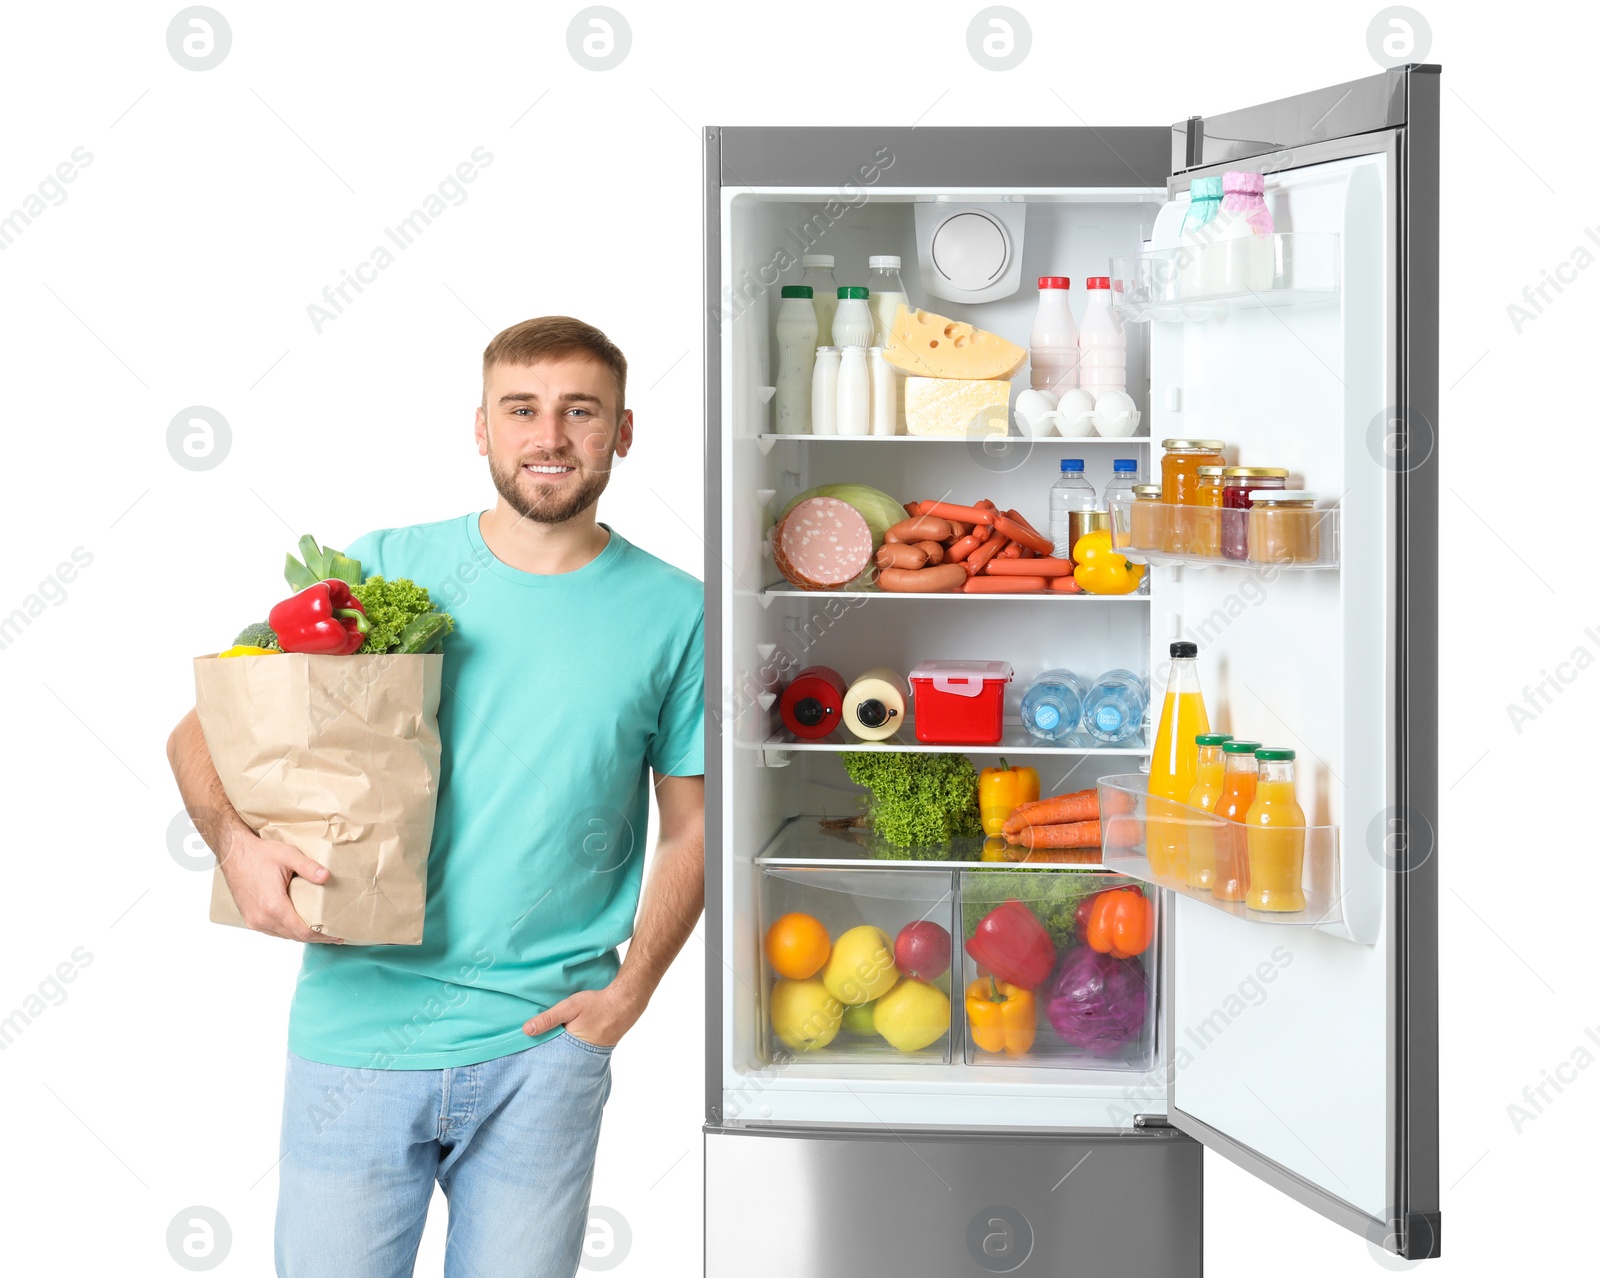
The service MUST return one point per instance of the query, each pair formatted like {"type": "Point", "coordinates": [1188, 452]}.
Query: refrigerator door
{"type": "Point", "coordinates": [1309, 1055]}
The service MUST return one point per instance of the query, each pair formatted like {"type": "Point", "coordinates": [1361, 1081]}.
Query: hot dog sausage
{"type": "Point", "coordinates": [899, 555]}
{"type": "Point", "coordinates": [976, 561]}
{"type": "Point", "coordinates": [1014, 585]}
{"type": "Point", "coordinates": [919, 528]}
{"type": "Point", "coordinates": [950, 510]}
{"type": "Point", "coordinates": [942, 578]}
{"type": "Point", "coordinates": [1024, 534]}
{"type": "Point", "coordinates": [1038, 566]}
{"type": "Point", "coordinates": [933, 549]}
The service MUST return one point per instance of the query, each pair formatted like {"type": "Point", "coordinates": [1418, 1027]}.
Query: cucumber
{"type": "Point", "coordinates": [423, 634]}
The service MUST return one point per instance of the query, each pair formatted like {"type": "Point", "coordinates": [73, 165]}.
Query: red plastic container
{"type": "Point", "coordinates": [960, 702]}
{"type": "Point", "coordinates": [812, 705]}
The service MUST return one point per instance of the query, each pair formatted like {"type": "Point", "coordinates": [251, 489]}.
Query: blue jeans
{"type": "Point", "coordinates": [511, 1142]}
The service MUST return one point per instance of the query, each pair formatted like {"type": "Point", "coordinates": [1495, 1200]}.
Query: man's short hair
{"type": "Point", "coordinates": [552, 337]}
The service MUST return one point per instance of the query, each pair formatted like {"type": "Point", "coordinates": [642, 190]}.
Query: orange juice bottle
{"type": "Point", "coordinates": [1207, 790]}
{"type": "Point", "coordinates": [1275, 836]}
{"type": "Point", "coordinates": [1238, 791]}
{"type": "Point", "coordinates": [1173, 765]}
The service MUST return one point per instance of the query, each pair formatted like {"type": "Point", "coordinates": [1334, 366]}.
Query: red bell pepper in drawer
{"type": "Point", "coordinates": [1011, 942]}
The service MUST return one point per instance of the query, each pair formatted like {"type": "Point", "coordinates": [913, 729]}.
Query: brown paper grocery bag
{"type": "Point", "coordinates": [338, 756]}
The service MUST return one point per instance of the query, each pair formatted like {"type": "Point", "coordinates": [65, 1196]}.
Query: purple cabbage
{"type": "Point", "coordinates": [1096, 1002]}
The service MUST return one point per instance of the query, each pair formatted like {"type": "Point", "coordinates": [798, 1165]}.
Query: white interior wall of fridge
{"type": "Point", "coordinates": [1279, 1036]}
{"type": "Point", "coordinates": [766, 638]}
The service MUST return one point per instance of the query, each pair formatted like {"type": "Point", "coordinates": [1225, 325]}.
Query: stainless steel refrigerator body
{"type": "Point", "coordinates": [1319, 1073]}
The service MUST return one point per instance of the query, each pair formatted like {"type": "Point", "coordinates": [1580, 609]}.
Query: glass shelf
{"type": "Point", "coordinates": [825, 840]}
{"type": "Point", "coordinates": [1014, 739]}
{"type": "Point", "coordinates": [1204, 281]}
{"type": "Point", "coordinates": [794, 592]}
{"type": "Point", "coordinates": [1299, 539]}
{"type": "Point", "coordinates": [1135, 822]}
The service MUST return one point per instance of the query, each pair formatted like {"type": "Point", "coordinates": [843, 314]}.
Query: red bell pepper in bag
{"type": "Point", "coordinates": [324, 619]}
{"type": "Point", "coordinates": [1011, 942]}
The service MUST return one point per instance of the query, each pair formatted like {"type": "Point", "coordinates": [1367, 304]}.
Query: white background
{"type": "Point", "coordinates": [218, 205]}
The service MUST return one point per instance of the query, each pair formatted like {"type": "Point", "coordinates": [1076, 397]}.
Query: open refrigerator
{"type": "Point", "coordinates": [1303, 1048]}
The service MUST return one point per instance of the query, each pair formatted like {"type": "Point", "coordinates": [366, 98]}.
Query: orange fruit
{"type": "Point", "coordinates": [797, 946]}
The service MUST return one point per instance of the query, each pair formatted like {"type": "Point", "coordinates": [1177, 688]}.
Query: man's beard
{"type": "Point", "coordinates": [548, 503]}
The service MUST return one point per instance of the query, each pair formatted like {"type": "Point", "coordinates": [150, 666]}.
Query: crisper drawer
{"type": "Point", "coordinates": [855, 965]}
{"type": "Point", "coordinates": [1093, 935]}
{"type": "Point", "coordinates": [987, 966]}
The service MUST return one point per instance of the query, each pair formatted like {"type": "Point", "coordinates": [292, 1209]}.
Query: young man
{"type": "Point", "coordinates": [480, 1058]}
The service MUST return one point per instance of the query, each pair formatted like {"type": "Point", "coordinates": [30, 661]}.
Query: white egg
{"type": "Point", "coordinates": [1077, 413]}
{"type": "Point", "coordinates": [1035, 412]}
{"type": "Point", "coordinates": [1115, 414]}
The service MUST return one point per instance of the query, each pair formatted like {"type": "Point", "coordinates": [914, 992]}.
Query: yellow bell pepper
{"type": "Point", "coordinates": [249, 650]}
{"type": "Point", "coordinates": [1000, 1016]}
{"type": "Point", "coordinates": [1002, 789]}
{"type": "Point", "coordinates": [1100, 570]}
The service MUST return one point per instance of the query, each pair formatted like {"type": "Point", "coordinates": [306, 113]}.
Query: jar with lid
{"type": "Point", "coordinates": [1205, 530]}
{"type": "Point", "coordinates": [1237, 484]}
{"type": "Point", "coordinates": [1181, 459]}
{"type": "Point", "coordinates": [1147, 518]}
{"type": "Point", "coordinates": [1285, 526]}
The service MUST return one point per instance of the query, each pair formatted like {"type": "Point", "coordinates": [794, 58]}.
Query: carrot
{"type": "Point", "coordinates": [965, 546]}
{"type": "Point", "coordinates": [950, 510]}
{"type": "Point", "coordinates": [1038, 566]}
{"type": "Point", "coordinates": [1073, 834]}
{"type": "Point", "coordinates": [985, 584]}
{"type": "Point", "coordinates": [1080, 805]}
{"type": "Point", "coordinates": [1024, 534]}
{"type": "Point", "coordinates": [1058, 856]}
{"type": "Point", "coordinates": [984, 553]}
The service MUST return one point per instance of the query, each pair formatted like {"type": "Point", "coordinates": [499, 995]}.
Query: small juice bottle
{"type": "Point", "coordinates": [1275, 836]}
{"type": "Point", "coordinates": [1238, 791]}
{"type": "Point", "coordinates": [1173, 764]}
{"type": "Point", "coordinates": [1207, 790]}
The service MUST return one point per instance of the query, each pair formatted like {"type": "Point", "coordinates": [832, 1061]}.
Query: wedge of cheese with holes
{"type": "Point", "coordinates": [946, 406]}
{"type": "Point", "coordinates": [927, 345]}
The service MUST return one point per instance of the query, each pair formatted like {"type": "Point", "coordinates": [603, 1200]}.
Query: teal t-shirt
{"type": "Point", "coordinates": [560, 693]}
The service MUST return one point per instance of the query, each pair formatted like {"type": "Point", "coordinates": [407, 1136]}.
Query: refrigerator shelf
{"type": "Point", "coordinates": [1129, 813]}
{"type": "Point", "coordinates": [768, 438]}
{"type": "Point", "coordinates": [794, 592]}
{"type": "Point", "coordinates": [1014, 739]}
{"type": "Point", "coordinates": [803, 841]}
{"type": "Point", "coordinates": [1311, 541]}
{"type": "Point", "coordinates": [1202, 282]}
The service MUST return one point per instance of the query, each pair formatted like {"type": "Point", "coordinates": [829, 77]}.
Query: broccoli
{"type": "Point", "coordinates": [390, 607]}
{"type": "Point", "coordinates": [917, 800]}
{"type": "Point", "coordinates": [258, 635]}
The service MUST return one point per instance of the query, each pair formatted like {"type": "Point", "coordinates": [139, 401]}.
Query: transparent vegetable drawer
{"type": "Point", "coordinates": [1289, 877]}
{"type": "Point", "coordinates": [1094, 938]}
{"type": "Point", "coordinates": [1281, 537]}
{"type": "Point", "coordinates": [856, 965]}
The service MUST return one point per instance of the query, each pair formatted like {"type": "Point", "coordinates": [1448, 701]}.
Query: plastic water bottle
{"type": "Point", "coordinates": [1124, 475]}
{"type": "Point", "coordinates": [1113, 710]}
{"type": "Point", "coordinates": [1069, 493]}
{"type": "Point", "coordinates": [1052, 708]}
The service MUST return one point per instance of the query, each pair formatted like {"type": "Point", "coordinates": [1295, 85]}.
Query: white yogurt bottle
{"type": "Point", "coordinates": [825, 392]}
{"type": "Point", "coordinates": [797, 353]}
{"type": "Point", "coordinates": [1102, 346]}
{"type": "Point", "coordinates": [885, 393]}
{"type": "Point", "coordinates": [852, 321]}
{"type": "Point", "coordinates": [854, 411]}
{"type": "Point", "coordinates": [885, 295]}
{"type": "Point", "coordinates": [1053, 344]}
{"type": "Point", "coordinates": [818, 278]}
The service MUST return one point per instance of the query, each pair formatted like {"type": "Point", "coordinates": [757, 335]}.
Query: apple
{"type": "Point", "coordinates": [922, 950]}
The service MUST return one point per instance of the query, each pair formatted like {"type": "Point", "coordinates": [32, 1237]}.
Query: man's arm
{"type": "Point", "coordinates": [258, 870]}
{"type": "Point", "coordinates": [673, 897]}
